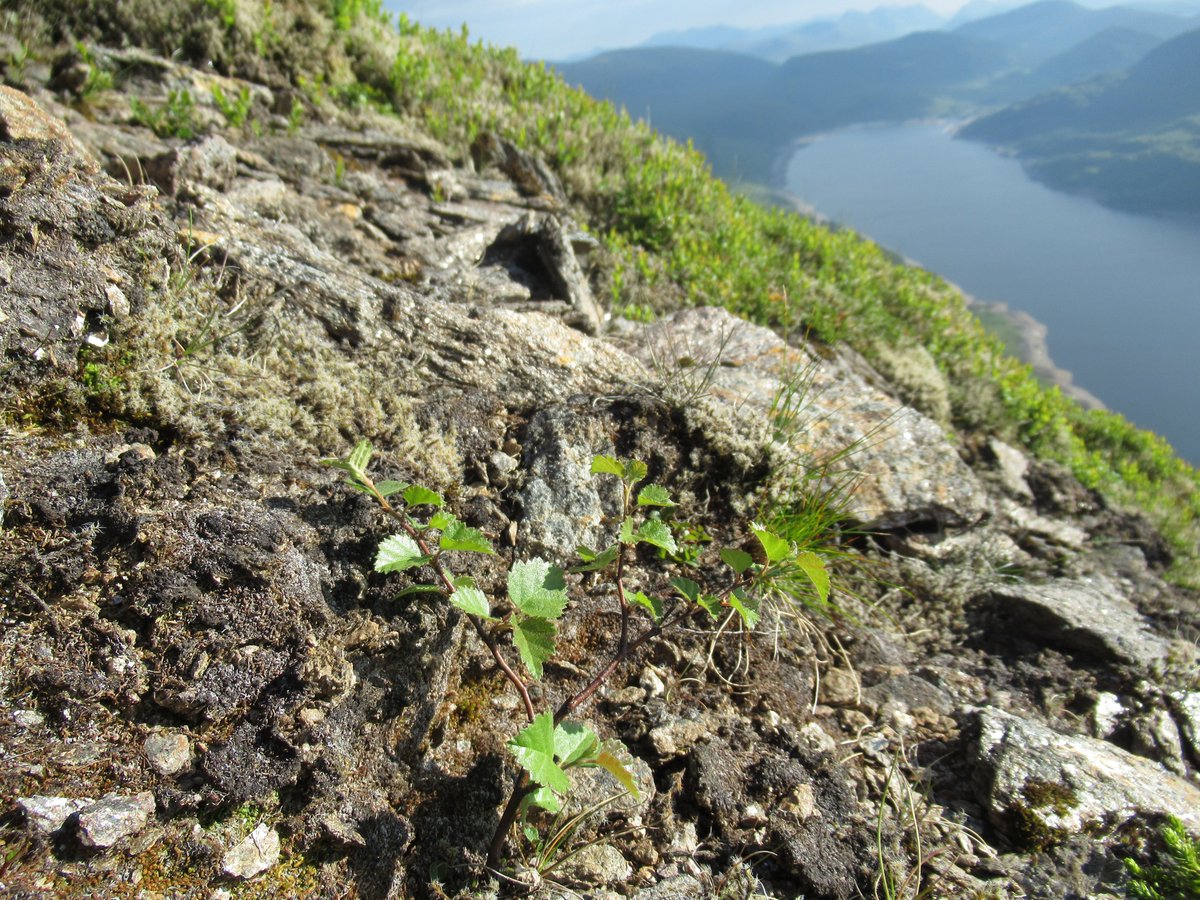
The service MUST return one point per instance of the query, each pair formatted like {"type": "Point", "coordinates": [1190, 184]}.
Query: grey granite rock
{"type": "Point", "coordinates": [1039, 784]}
{"type": "Point", "coordinates": [1090, 615]}
{"type": "Point", "coordinates": [903, 468]}
{"type": "Point", "coordinates": [113, 818]}
{"type": "Point", "coordinates": [168, 752]}
{"type": "Point", "coordinates": [48, 814]}
{"type": "Point", "coordinates": [252, 856]}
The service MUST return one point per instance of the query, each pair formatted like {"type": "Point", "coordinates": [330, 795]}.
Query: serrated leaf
{"type": "Point", "coordinates": [359, 457]}
{"type": "Point", "coordinates": [574, 744]}
{"type": "Point", "coordinates": [814, 567]}
{"type": "Point", "coordinates": [610, 759]}
{"type": "Point", "coordinates": [534, 640]}
{"type": "Point", "coordinates": [457, 536]}
{"type": "Point", "coordinates": [606, 465]}
{"type": "Point", "coordinates": [657, 533]}
{"type": "Point", "coordinates": [653, 604]}
{"type": "Point", "coordinates": [688, 588]}
{"type": "Point", "coordinates": [397, 553]}
{"type": "Point", "coordinates": [537, 588]}
{"type": "Point", "coordinates": [441, 520]}
{"type": "Point", "coordinates": [473, 601]}
{"type": "Point", "coordinates": [776, 548]}
{"type": "Point", "coordinates": [534, 749]}
{"type": "Point", "coordinates": [596, 562]}
{"type": "Point", "coordinates": [710, 604]}
{"type": "Point", "coordinates": [415, 495]}
{"type": "Point", "coordinates": [387, 488]}
{"type": "Point", "coordinates": [654, 495]}
{"type": "Point", "coordinates": [635, 471]}
{"type": "Point", "coordinates": [747, 607]}
{"type": "Point", "coordinates": [358, 485]}
{"type": "Point", "coordinates": [626, 536]}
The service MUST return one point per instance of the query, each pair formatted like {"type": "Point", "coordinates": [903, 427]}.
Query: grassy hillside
{"type": "Point", "coordinates": [673, 233]}
{"type": "Point", "coordinates": [1131, 139]}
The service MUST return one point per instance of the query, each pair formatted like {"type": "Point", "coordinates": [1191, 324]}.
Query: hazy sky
{"type": "Point", "coordinates": [555, 29]}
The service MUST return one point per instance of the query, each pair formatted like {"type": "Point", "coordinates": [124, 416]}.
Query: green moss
{"type": "Point", "coordinates": [1048, 795]}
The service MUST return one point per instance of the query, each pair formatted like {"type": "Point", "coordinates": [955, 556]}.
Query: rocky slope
{"type": "Point", "coordinates": [205, 691]}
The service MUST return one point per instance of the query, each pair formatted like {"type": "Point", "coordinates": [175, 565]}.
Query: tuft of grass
{"type": "Point", "coordinates": [1178, 877]}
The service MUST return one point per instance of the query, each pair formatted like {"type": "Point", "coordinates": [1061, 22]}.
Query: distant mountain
{"type": "Point", "coordinates": [916, 75]}
{"type": "Point", "coordinates": [1131, 139]}
{"type": "Point", "coordinates": [1036, 33]}
{"type": "Point", "coordinates": [689, 94]}
{"type": "Point", "coordinates": [851, 29]}
{"type": "Point", "coordinates": [741, 110]}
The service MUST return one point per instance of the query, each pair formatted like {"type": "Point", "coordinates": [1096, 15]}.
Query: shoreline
{"type": "Point", "coordinates": [1032, 345]}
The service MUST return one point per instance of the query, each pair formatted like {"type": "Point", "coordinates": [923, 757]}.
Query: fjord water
{"type": "Point", "coordinates": [1119, 293]}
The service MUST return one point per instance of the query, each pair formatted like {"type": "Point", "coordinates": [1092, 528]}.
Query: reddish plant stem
{"type": "Point", "coordinates": [443, 575]}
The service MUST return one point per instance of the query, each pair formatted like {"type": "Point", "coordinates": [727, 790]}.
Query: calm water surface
{"type": "Point", "coordinates": [1119, 293]}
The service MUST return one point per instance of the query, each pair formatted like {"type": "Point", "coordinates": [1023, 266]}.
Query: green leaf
{"type": "Point", "coordinates": [574, 744]}
{"type": "Point", "coordinates": [654, 495]}
{"type": "Point", "coordinates": [635, 471]}
{"type": "Point", "coordinates": [534, 749]}
{"type": "Point", "coordinates": [777, 549]}
{"type": "Point", "coordinates": [747, 607]}
{"type": "Point", "coordinates": [415, 495]}
{"type": "Point", "coordinates": [596, 562]}
{"type": "Point", "coordinates": [387, 488]}
{"type": "Point", "coordinates": [710, 604]}
{"type": "Point", "coordinates": [355, 463]}
{"type": "Point", "coordinates": [658, 533]}
{"type": "Point", "coordinates": [441, 520]}
{"type": "Point", "coordinates": [614, 759]}
{"type": "Point", "coordinates": [688, 588]}
{"type": "Point", "coordinates": [399, 552]}
{"type": "Point", "coordinates": [651, 603]}
{"type": "Point", "coordinates": [627, 537]}
{"type": "Point", "coordinates": [534, 640]}
{"type": "Point", "coordinates": [814, 567]}
{"type": "Point", "coordinates": [358, 459]}
{"type": "Point", "coordinates": [537, 588]}
{"type": "Point", "coordinates": [606, 465]}
{"type": "Point", "coordinates": [547, 800]}
{"type": "Point", "coordinates": [473, 601]}
{"type": "Point", "coordinates": [457, 536]}
{"type": "Point", "coordinates": [738, 560]}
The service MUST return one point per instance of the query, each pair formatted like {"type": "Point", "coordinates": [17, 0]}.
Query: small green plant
{"type": "Point", "coordinates": [524, 620]}
{"type": "Point", "coordinates": [1178, 878]}
{"type": "Point", "coordinates": [98, 78]}
{"type": "Point", "coordinates": [175, 118]}
{"type": "Point", "coordinates": [226, 9]}
{"type": "Point", "coordinates": [236, 109]}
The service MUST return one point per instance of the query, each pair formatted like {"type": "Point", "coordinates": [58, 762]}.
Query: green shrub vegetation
{"type": "Point", "coordinates": [1178, 877]}
{"type": "Point", "coordinates": [524, 620]}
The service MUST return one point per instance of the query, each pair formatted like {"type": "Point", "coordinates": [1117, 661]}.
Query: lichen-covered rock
{"type": "Point", "coordinates": [114, 818]}
{"type": "Point", "coordinates": [903, 469]}
{"type": "Point", "coordinates": [1041, 786]}
{"type": "Point", "coordinates": [256, 853]}
{"type": "Point", "coordinates": [48, 814]}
